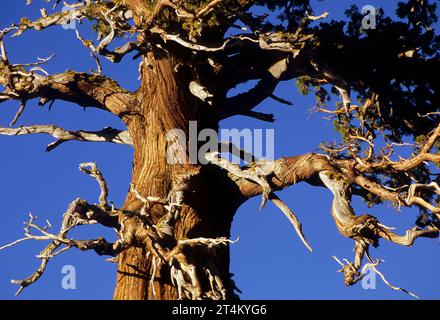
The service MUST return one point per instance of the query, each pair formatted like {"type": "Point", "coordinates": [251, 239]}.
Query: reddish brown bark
{"type": "Point", "coordinates": [163, 104]}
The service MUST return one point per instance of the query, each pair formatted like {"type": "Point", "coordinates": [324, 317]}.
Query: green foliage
{"type": "Point", "coordinates": [303, 83]}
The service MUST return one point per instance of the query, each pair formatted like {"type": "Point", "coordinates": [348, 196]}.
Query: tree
{"type": "Point", "coordinates": [174, 227]}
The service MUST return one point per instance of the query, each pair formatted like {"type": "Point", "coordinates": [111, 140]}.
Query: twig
{"type": "Point", "coordinates": [18, 114]}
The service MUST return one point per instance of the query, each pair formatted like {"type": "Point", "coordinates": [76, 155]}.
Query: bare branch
{"type": "Point", "coordinates": [314, 18]}
{"type": "Point", "coordinates": [156, 238]}
{"type": "Point", "coordinates": [19, 113]}
{"type": "Point", "coordinates": [81, 88]}
{"type": "Point", "coordinates": [208, 8]}
{"type": "Point", "coordinates": [280, 100]}
{"type": "Point", "coordinates": [78, 213]}
{"type": "Point", "coordinates": [292, 218]}
{"type": "Point", "coordinates": [405, 165]}
{"type": "Point", "coordinates": [28, 81]}
{"type": "Point", "coordinates": [94, 51]}
{"type": "Point", "coordinates": [105, 135]}
{"type": "Point", "coordinates": [249, 174]}
{"type": "Point", "coordinates": [371, 266]}
{"type": "Point", "coordinates": [257, 173]}
{"type": "Point", "coordinates": [99, 11]}
{"type": "Point", "coordinates": [95, 173]}
{"type": "Point", "coordinates": [413, 199]}
{"type": "Point", "coordinates": [267, 42]}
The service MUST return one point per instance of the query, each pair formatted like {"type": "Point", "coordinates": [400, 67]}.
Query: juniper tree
{"type": "Point", "coordinates": [174, 227]}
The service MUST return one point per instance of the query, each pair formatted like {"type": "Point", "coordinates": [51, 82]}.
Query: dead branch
{"type": "Point", "coordinates": [353, 226]}
{"type": "Point", "coordinates": [249, 174]}
{"type": "Point", "coordinates": [105, 135]}
{"type": "Point", "coordinates": [78, 213]}
{"type": "Point", "coordinates": [338, 176]}
{"type": "Point", "coordinates": [266, 42]}
{"type": "Point", "coordinates": [366, 229]}
{"type": "Point", "coordinates": [280, 100]}
{"type": "Point", "coordinates": [315, 18]}
{"type": "Point", "coordinates": [258, 173]}
{"type": "Point", "coordinates": [76, 13]}
{"type": "Point", "coordinates": [371, 266]}
{"type": "Point", "coordinates": [292, 218]}
{"type": "Point", "coordinates": [165, 251]}
{"type": "Point", "coordinates": [191, 285]}
{"type": "Point", "coordinates": [28, 81]}
{"type": "Point", "coordinates": [81, 88]}
{"type": "Point", "coordinates": [413, 199]}
{"type": "Point", "coordinates": [18, 114]}
{"type": "Point", "coordinates": [93, 51]}
{"type": "Point", "coordinates": [95, 173]}
{"type": "Point", "coordinates": [102, 48]}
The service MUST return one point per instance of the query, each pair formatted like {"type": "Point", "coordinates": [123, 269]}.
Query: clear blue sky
{"type": "Point", "coordinates": [269, 261]}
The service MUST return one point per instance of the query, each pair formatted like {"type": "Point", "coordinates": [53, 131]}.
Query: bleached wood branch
{"type": "Point", "coordinates": [29, 80]}
{"type": "Point", "coordinates": [95, 173]}
{"type": "Point", "coordinates": [106, 135]}
{"type": "Point", "coordinates": [76, 13]}
{"type": "Point", "coordinates": [18, 114]}
{"type": "Point", "coordinates": [269, 41]}
{"type": "Point", "coordinates": [372, 266]}
{"type": "Point", "coordinates": [292, 218]}
{"type": "Point", "coordinates": [413, 199]}
{"type": "Point", "coordinates": [257, 173]}
{"type": "Point", "coordinates": [156, 237]}
{"type": "Point", "coordinates": [93, 51]}
{"type": "Point", "coordinates": [78, 213]}
{"type": "Point", "coordinates": [315, 18]}
{"type": "Point", "coordinates": [235, 169]}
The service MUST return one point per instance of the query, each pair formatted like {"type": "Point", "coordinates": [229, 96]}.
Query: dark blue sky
{"type": "Point", "coordinates": [269, 261]}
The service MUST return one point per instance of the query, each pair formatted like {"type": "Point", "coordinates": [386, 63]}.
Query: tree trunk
{"type": "Point", "coordinates": [165, 103]}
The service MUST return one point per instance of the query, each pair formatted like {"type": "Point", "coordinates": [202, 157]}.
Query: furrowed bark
{"type": "Point", "coordinates": [165, 103]}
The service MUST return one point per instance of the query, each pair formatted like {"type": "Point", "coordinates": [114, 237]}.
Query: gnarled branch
{"type": "Point", "coordinates": [78, 213]}
{"type": "Point", "coordinates": [258, 173]}
{"type": "Point", "coordinates": [28, 81]}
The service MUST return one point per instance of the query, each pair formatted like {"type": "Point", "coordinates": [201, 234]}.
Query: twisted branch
{"type": "Point", "coordinates": [28, 81]}
{"type": "Point", "coordinates": [371, 266]}
{"type": "Point", "coordinates": [78, 213]}
{"type": "Point", "coordinates": [257, 173]}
